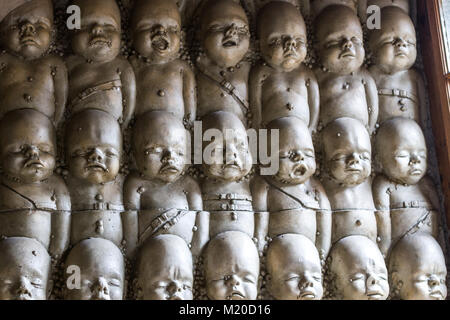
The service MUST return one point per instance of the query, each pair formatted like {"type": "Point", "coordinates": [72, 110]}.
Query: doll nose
{"type": "Point", "coordinates": [24, 287]}
{"type": "Point", "coordinates": [28, 27]}
{"type": "Point", "coordinates": [347, 44]}
{"type": "Point", "coordinates": [306, 282]}
{"type": "Point", "coordinates": [174, 288]}
{"type": "Point", "coordinates": [354, 159]}
{"type": "Point", "coordinates": [32, 152]}
{"type": "Point", "coordinates": [414, 159]}
{"type": "Point", "coordinates": [169, 155]}
{"type": "Point", "coordinates": [101, 290]}
{"type": "Point", "coordinates": [97, 29]}
{"type": "Point", "coordinates": [231, 31]}
{"type": "Point", "coordinates": [298, 156]}
{"type": "Point", "coordinates": [399, 42]}
{"type": "Point", "coordinates": [234, 281]}
{"type": "Point", "coordinates": [289, 44]}
{"type": "Point", "coordinates": [96, 155]}
{"type": "Point", "coordinates": [433, 281]}
{"type": "Point", "coordinates": [159, 30]}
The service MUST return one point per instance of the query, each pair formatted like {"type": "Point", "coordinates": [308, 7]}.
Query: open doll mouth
{"type": "Point", "coordinates": [300, 170]}
{"type": "Point", "coordinates": [160, 43]}
{"type": "Point", "coordinates": [99, 41]}
{"type": "Point", "coordinates": [229, 42]}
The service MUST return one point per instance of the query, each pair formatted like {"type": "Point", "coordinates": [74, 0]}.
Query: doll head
{"type": "Point", "coordinates": [297, 162]}
{"type": "Point", "coordinates": [294, 269]}
{"type": "Point", "coordinates": [339, 40]}
{"type": "Point", "coordinates": [98, 39]}
{"type": "Point", "coordinates": [93, 146]}
{"type": "Point", "coordinates": [402, 4]}
{"type": "Point", "coordinates": [26, 30]}
{"type": "Point", "coordinates": [282, 41]}
{"type": "Point", "coordinates": [347, 151]}
{"type": "Point", "coordinates": [401, 151]}
{"type": "Point", "coordinates": [28, 146]}
{"type": "Point", "coordinates": [358, 270]}
{"type": "Point", "coordinates": [102, 270]}
{"type": "Point", "coordinates": [224, 32]}
{"type": "Point", "coordinates": [231, 267]}
{"type": "Point", "coordinates": [160, 146]}
{"type": "Point", "coordinates": [394, 45]}
{"type": "Point", "coordinates": [24, 270]}
{"type": "Point", "coordinates": [156, 26]}
{"type": "Point", "coordinates": [227, 157]}
{"type": "Point", "coordinates": [318, 5]}
{"type": "Point", "coordinates": [417, 269]}
{"type": "Point", "coordinates": [165, 269]}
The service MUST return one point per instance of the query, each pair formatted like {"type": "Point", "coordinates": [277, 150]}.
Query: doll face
{"type": "Point", "coordinates": [229, 158]}
{"type": "Point", "coordinates": [361, 274]}
{"type": "Point", "coordinates": [170, 279]}
{"type": "Point", "coordinates": [340, 43]}
{"type": "Point", "coordinates": [158, 31]}
{"type": "Point", "coordinates": [226, 36]}
{"type": "Point", "coordinates": [424, 279]}
{"type": "Point", "coordinates": [283, 43]}
{"type": "Point", "coordinates": [404, 155]}
{"type": "Point", "coordinates": [232, 274]}
{"type": "Point", "coordinates": [163, 153]}
{"type": "Point", "coordinates": [297, 157]}
{"type": "Point", "coordinates": [29, 33]}
{"type": "Point", "coordinates": [395, 44]}
{"type": "Point", "coordinates": [102, 271]}
{"type": "Point", "coordinates": [99, 37]}
{"type": "Point", "coordinates": [29, 152]}
{"type": "Point", "coordinates": [295, 274]}
{"type": "Point", "coordinates": [94, 153]}
{"type": "Point", "coordinates": [348, 154]}
{"type": "Point", "coordinates": [24, 274]}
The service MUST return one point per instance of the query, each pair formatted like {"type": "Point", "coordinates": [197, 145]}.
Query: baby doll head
{"type": "Point", "coordinates": [27, 146]}
{"type": "Point", "coordinates": [26, 30]}
{"type": "Point", "coordinates": [417, 269]}
{"type": "Point", "coordinates": [294, 269]}
{"type": "Point", "coordinates": [224, 32]}
{"type": "Point", "coordinates": [165, 269]}
{"type": "Point", "coordinates": [231, 267]}
{"type": "Point", "coordinates": [282, 41]}
{"type": "Point", "coordinates": [160, 144]}
{"type": "Point", "coordinates": [347, 151]}
{"type": "Point", "coordinates": [402, 4]}
{"type": "Point", "coordinates": [156, 26]}
{"type": "Point", "coordinates": [318, 5]}
{"type": "Point", "coordinates": [357, 270]}
{"type": "Point", "coordinates": [394, 45]}
{"type": "Point", "coordinates": [227, 157]}
{"type": "Point", "coordinates": [339, 40]}
{"type": "Point", "coordinates": [93, 146]}
{"type": "Point", "coordinates": [24, 270]}
{"type": "Point", "coordinates": [297, 162]}
{"type": "Point", "coordinates": [99, 38]}
{"type": "Point", "coordinates": [401, 151]}
{"type": "Point", "coordinates": [102, 270]}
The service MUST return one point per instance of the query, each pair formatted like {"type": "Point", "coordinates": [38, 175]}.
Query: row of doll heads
{"type": "Point", "coordinates": [224, 32]}
{"type": "Point", "coordinates": [162, 148]}
{"type": "Point", "coordinates": [355, 270]}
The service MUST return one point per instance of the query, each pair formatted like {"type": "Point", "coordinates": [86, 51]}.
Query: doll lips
{"type": "Point", "coordinates": [437, 295]}
{"type": "Point", "coordinates": [100, 41]}
{"type": "Point", "coordinates": [307, 295]}
{"type": "Point", "coordinates": [375, 295]}
{"type": "Point", "coordinates": [29, 41]}
{"type": "Point", "coordinates": [229, 42]}
{"type": "Point", "coordinates": [169, 169]}
{"type": "Point", "coordinates": [97, 167]}
{"type": "Point", "coordinates": [236, 295]}
{"type": "Point", "coordinates": [347, 54]}
{"type": "Point", "coordinates": [416, 172]}
{"type": "Point", "coordinates": [24, 297]}
{"type": "Point", "coordinates": [34, 164]}
{"type": "Point", "coordinates": [300, 170]}
{"type": "Point", "coordinates": [160, 43]}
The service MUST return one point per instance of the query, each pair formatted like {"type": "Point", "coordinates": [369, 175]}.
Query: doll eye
{"type": "Point", "coordinates": [357, 277]}
{"type": "Point", "coordinates": [275, 42]}
{"type": "Point", "coordinates": [243, 30]}
{"type": "Point", "coordinates": [317, 277]}
{"type": "Point", "coordinates": [173, 29]}
{"type": "Point", "coordinates": [115, 283]}
{"type": "Point", "coordinates": [356, 40]}
{"type": "Point", "coordinates": [216, 28]}
{"type": "Point", "coordinates": [338, 157]}
{"type": "Point", "coordinates": [293, 277]}
{"type": "Point", "coordinates": [300, 42]}
{"type": "Point", "coordinates": [37, 283]}
{"type": "Point", "coordinates": [402, 155]}
{"type": "Point", "coordinates": [249, 279]}
{"type": "Point", "coordinates": [365, 156]}
{"type": "Point", "coordinates": [78, 153]}
{"type": "Point", "coordinates": [331, 44]}
{"type": "Point", "coordinates": [309, 153]}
